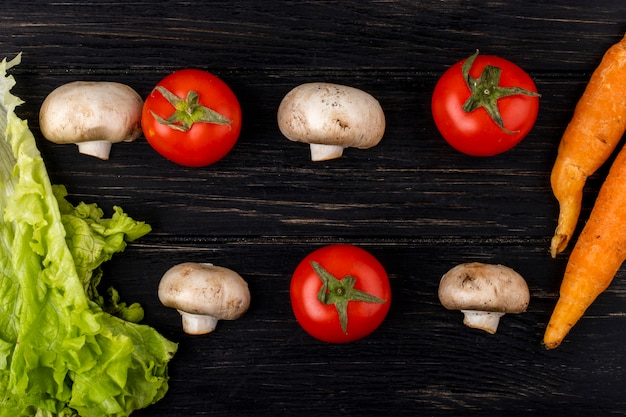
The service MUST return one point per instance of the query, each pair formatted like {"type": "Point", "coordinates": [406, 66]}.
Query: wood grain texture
{"type": "Point", "coordinates": [412, 201]}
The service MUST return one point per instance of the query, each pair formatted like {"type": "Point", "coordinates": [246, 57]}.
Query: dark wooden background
{"type": "Point", "coordinates": [412, 201]}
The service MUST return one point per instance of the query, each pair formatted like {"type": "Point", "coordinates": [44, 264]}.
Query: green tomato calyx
{"type": "Point", "coordinates": [188, 111]}
{"type": "Point", "coordinates": [340, 292]}
{"type": "Point", "coordinates": [486, 91]}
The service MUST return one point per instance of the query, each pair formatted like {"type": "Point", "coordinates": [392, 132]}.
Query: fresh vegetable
{"type": "Point", "coordinates": [93, 239]}
{"type": "Point", "coordinates": [192, 118]}
{"type": "Point", "coordinates": [203, 294]}
{"type": "Point", "coordinates": [93, 115]}
{"type": "Point", "coordinates": [597, 255]}
{"type": "Point", "coordinates": [331, 117]}
{"type": "Point", "coordinates": [484, 105]}
{"type": "Point", "coordinates": [596, 128]}
{"type": "Point", "coordinates": [340, 293]}
{"type": "Point", "coordinates": [484, 293]}
{"type": "Point", "coordinates": [61, 354]}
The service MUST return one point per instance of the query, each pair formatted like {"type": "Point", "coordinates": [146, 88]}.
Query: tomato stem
{"type": "Point", "coordinates": [340, 292]}
{"type": "Point", "coordinates": [188, 111]}
{"type": "Point", "coordinates": [486, 91]}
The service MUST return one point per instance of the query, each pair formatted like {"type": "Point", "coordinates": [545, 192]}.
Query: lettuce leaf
{"type": "Point", "coordinates": [61, 353]}
{"type": "Point", "coordinates": [93, 240]}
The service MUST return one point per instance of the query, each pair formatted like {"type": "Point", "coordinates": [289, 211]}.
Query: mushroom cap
{"type": "Point", "coordinates": [83, 111]}
{"type": "Point", "coordinates": [205, 289]}
{"type": "Point", "coordinates": [331, 114]}
{"type": "Point", "coordinates": [484, 287]}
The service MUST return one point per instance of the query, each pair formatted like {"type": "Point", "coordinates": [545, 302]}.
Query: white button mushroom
{"type": "Point", "coordinates": [484, 293]}
{"type": "Point", "coordinates": [93, 115]}
{"type": "Point", "coordinates": [331, 117]}
{"type": "Point", "coordinates": [203, 294]}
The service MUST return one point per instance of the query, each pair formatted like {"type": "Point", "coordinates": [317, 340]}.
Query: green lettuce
{"type": "Point", "coordinates": [93, 239]}
{"type": "Point", "coordinates": [65, 350]}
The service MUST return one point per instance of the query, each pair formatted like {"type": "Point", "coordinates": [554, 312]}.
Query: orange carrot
{"type": "Point", "coordinates": [596, 127]}
{"type": "Point", "coordinates": [597, 255]}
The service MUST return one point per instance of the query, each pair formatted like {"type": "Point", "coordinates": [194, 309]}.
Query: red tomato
{"type": "Point", "coordinates": [340, 293]}
{"type": "Point", "coordinates": [192, 118]}
{"type": "Point", "coordinates": [500, 90]}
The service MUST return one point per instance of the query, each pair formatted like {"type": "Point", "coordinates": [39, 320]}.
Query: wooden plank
{"type": "Point", "coordinates": [83, 36]}
{"type": "Point", "coordinates": [415, 203]}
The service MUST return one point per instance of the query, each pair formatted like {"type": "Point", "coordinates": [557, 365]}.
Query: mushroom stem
{"type": "Point", "coordinates": [321, 152]}
{"type": "Point", "coordinates": [198, 323]}
{"type": "Point", "coordinates": [483, 320]}
{"type": "Point", "coordinates": [98, 148]}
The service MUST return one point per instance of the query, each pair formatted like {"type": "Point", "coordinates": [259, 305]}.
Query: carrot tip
{"type": "Point", "coordinates": [551, 345]}
{"type": "Point", "coordinates": [558, 244]}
